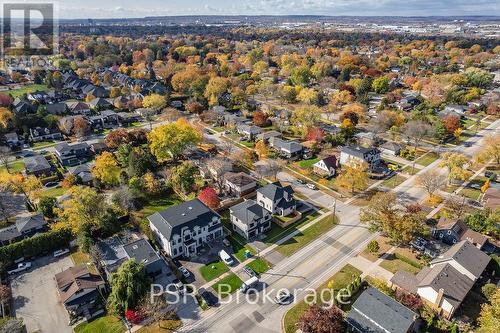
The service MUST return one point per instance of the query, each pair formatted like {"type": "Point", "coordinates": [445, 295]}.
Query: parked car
{"type": "Point", "coordinates": [51, 184]}
{"type": "Point", "coordinates": [43, 152]}
{"type": "Point", "coordinates": [491, 175]}
{"type": "Point", "coordinates": [300, 181]}
{"type": "Point", "coordinates": [311, 186]}
{"type": "Point", "coordinates": [60, 253]}
{"type": "Point", "coordinates": [226, 242]}
{"type": "Point", "coordinates": [283, 296]}
{"type": "Point", "coordinates": [184, 272]}
{"type": "Point", "coordinates": [226, 258]}
{"type": "Point", "coordinates": [179, 286]}
{"type": "Point", "coordinates": [249, 271]}
{"type": "Point", "coordinates": [21, 267]}
{"type": "Point", "coordinates": [208, 297]}
{"type": "Point", "coordinates": [475, 186]}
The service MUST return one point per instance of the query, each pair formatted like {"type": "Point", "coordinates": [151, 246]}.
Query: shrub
{"type": "Point", "coordinates": [373, 247]}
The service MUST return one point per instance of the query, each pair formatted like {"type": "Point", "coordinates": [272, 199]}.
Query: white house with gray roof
{"type": "Point", "coordinates": [249, 219]}
{"type": "Point", "coordinates": [449, 278]}
{"type": "Point", "coordinates": [184, 229]}
{"type": "Point", "coordinates": [359, 154]}
{"type": "Point", "coordinates": [277, 199]}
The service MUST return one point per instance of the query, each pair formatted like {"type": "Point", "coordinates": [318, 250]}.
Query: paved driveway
{"type": "Point", "coordinates": [35, 297]}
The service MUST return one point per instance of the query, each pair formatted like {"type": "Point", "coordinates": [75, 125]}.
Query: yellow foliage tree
{"type": "Point", "coordinates": [106, 169]}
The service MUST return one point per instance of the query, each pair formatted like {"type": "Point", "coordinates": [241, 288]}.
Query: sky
{"type": "Point", "coordinates": [141, 8]}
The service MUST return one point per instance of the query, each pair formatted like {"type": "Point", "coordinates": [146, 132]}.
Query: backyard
{"type": "Point", "coordinates": [14, 167]}
{"type": "Point", "coordinates": [27, 89]}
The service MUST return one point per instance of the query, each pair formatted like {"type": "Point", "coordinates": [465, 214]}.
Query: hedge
{"type": "Point", "coordinates": [35, 246]}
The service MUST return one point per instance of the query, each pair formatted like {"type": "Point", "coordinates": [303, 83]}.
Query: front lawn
{"type": "Point", "coordinates": [213, 270]}
{"type": "Point", "coordinates": [339, 280]}
{"type": "Point", "coordinates": [259, 266]}
{"type": "Point", "coordinates": [54, 192]}
{"type": "Point", "coordinates": [227, 285]}
{"type": "Point", "coordinates": [14, 167]}
{"type": "Point", "coordinates": [44, 144]}
{"type": "Point", "coordinates": [248, 144]}
{"type": "Point", "coordinates": [396, 262]}
{"type": "Point", "coordinates": [306, 164]}
{"type": "Point", "coordinates": [427, 159]}
{"type": "Point", "coordinates": [393, 181]}
{"type": "Point", "coordinates": [307, 236]}
{"type": "Point", "coordinates": [107, 324]}
{"type": "Point", "coordinates": [27, 89]}
{"type": "Point", "coordinates": [239, 248]}
{"type": "Point", "coordinates": [277, 232]}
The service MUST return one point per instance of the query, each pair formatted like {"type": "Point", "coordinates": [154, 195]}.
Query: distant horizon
{"type": "Point", "coordinates": [126, 9]}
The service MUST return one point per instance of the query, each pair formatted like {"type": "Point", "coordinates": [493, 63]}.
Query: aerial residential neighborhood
{"type": "Point", "coordinates": [312, 167]}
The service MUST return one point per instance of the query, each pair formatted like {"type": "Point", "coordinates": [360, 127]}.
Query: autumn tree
{"type": "Point", "coordinates": [354, 177]}
{"type": "Point", "coordinates": [171, 140]}
{"type": "Point", "coordinates": [385, 215]}
{"type": "Point", "coordinates": [490, 314]}
{"type": "Point", "coordinates": [259, 118]}
{"type": "Point", "coordinates": [305, 117]}
{"type": "Point", "coordinates": [6, 116]}
{"type": "Point", "coordinates": [261, 150]}
{"type": "Point", "coordinates": [80, 126]}
{"type": "Point", "coordinates": [106, 169]}
{"type": "Point", "coordinates": [116, 138]}
{"type": "Point", "coordinates": [317, 319]}
{"type": "Point", "coordinates": [155, 102]}
{"type": "Point", "coordinates": [451, 122]}
{"type": "Point", "coordinates": [209, 197]}
{"type": "Point", "coordinates": [183, 177]}
{"type": "Point", "coordinates": [490, 149]}
{"type": "Point", "coordinates": [381, 85]}
{"type": "Point", "coordinates": [455, 163]}
{"type": "Point", "coordinates": [28, 186]}
{"type": "Point", "coordinates": [215, 88]}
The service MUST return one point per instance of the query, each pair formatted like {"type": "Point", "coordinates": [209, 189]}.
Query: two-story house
{"type": "Point", "coordinates": [239, 184]}
{"type": "Point", "coordinates": [326, 167]}
{"type": "Point", "coordinates": [289, 149]}
{"type": "Point", "coordinates": [249, 219]}
{"type": "Point", "coordinates": [358, 154]}
{"type": "Point", "coordinates": [43, 133]}
{"type": "Point", "coordinates": [25, 226]}
{"type": "Point", "coordinates": [448, 279]}
{"type": "Point", "coordinates": [70, 155]}
{"type": "Point", "coordinates": [184, 229]}
{"type": "Point", "coordinates": [250, 132]}
{"type": "Point", "coordinates": [277, 199]}
{"type": "Point", "coordinates": [452, 231]}
{"type": "Point", "coordinates": [80, 291]}
{"type": "Point", "coordinates": [38, 166]}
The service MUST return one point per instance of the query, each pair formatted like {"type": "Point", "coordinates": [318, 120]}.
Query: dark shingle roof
{"type": "Point", "coordinates": [454, 284]}
{"type": "Point", "coordinates": [275, 191]}
{"type": "Point", "coordinates": [36, 163]}
{"type": "Point", "coordinates": [141, 251]}
{"type": "Point", "coordinates": [191, 213]}
{"type": "Point", "coordinates": [29, 222]}
{"type": "Point", "coordinates": [375, 312]}
{"type": "Point", "coordinates": [357, 151]}
{"type": "Point", "coordinates": [248, 211]}
{"type": "Point", "coordinates": [238, 179]}
{"type": "Point", "coordinates": [467, 255]}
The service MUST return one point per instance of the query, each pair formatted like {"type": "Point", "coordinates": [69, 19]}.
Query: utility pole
{"type": "Point", "coordinates": [334, 209]}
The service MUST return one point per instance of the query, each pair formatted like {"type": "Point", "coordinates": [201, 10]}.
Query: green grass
{"type": "Point", "coordinates": [397, 262]}
{"type": "Point", "coordinates": [107, 324]}
{"type": "Point", "coordinates": [213, 270]}
{"type": "Point", "coordinates": [306, 164]}
{"type": "Point", "coordinates": [259, 266]}
{"type": "Point", "coordinates": [158, 205]}
{"type": "Point", "coordinates": [239, 247]}
{"type": "Point", "coordinates": [339, 280]}
{"type": "Point", "coordinates": [44, 144]}
{"type": "Point", "coordinates": [219, 129]}
{"type": "Point", "coordinates": [278, 232]}
{"type": "Point", "coordinates": [427, 159]}
{"type": "Point", "coordinates": [248, 144]}
{"type": "Point", "coordinates": [54, 192]}
{"type": "Point", "coordinates": [165, 326]}
{"type": "Point", "coordinates": [232, 281]}
{"type": "Point", "coordinates": [27, 89]}
{"type": "Point", "coordinates": [307, 236]}
{"type": "Point", "coordinates": [393, 181]}
{"type": "Point", "coordinates": [14, 167]}
{"type": "Point", "coordinates": [410, 170]}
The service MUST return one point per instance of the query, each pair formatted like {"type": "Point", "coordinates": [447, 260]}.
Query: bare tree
{"type": "Point", "coordinates": [431, 181]}
{"type": "Point", "coordinates": [218, 167]}
{"type": "Point", "coordinates": [227, 147]}
{"type": "Point", "coordinates": [456, 206]}
{"type": "Point", "coordinates": [5, 155]}
{"type": "Point", "coordinates": [274, 167]}
{"type": "Point", "coordinates": [382, 122]}
{"type": "Point", "coordinates": [156, 309]}
{"type": "Point", "coordinates": [416, 131]}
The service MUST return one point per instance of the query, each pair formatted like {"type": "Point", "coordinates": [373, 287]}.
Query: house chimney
{"type": "Point", "coordinates": [439, 298]}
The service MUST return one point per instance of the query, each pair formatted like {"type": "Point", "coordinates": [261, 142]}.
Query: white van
{"type": "Point", "coordinates": [226, 258]}
{"type": "Point", "coordinates": [249, 283]}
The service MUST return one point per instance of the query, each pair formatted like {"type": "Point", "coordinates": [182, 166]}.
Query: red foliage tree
{"type": "Point", "coordinates": [134, 317]}
{"type": "Point", "coordinates": [493, 109]}
{"type": "Point", "coordinates": [317, 319]}
{"type": "Point", "coordinates": [195, 107]}
{"type": "Point", "coordinates": [315, 134]}
{"type": "Point", "coordinates": [259, 118]}
{"type": "Point", "coordinates": [209, 197]}
{"type": "Point", "coordinates": [451, 122]}
{"type": "Point", "coordinates": [116, 138]}
{"type": "Point", "coordinates": [348, 88]}
{"type": "Point", "coordinates": [5, 100]}
{"type": "Point", "coordinates": [138, 136]}
{"type": "Point", "coordinates": [372, 72]}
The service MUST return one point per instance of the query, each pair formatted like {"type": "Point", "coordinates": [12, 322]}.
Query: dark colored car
{"type": "Point", "coordinates": [249, 271]}
{"type": "Point", "coordinates": [208, 297]}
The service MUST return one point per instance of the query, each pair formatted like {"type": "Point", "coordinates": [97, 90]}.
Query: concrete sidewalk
{"type": "Point", "coordinates": [373, 269]}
